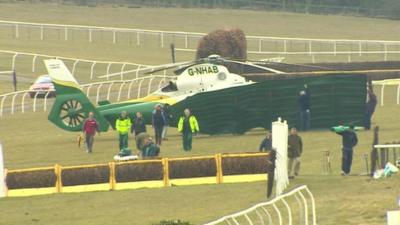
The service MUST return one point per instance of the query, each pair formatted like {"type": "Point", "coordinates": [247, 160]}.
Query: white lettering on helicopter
{"type": "Point", "coordinates": [202, 70]}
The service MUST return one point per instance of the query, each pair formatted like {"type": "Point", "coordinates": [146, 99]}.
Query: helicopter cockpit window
{"type": "Point", "coordinates": [170, 87]}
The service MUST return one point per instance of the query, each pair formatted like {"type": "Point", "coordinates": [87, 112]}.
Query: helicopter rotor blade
{"type": "Point", "coordinates": [255, 66]}
{"type": "Point", "coordinates": [150, 69]}
{"type": "Point", "coordinates": [170, 66]}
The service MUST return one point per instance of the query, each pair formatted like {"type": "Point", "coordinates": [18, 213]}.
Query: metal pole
{"type": "Point", "coordinates": [14, 76]}
{"type": "Point", "coordinates": [173, 52]}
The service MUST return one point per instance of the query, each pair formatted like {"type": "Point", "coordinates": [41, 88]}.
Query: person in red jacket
{"type": "Point", "coordinates": [90, 127]}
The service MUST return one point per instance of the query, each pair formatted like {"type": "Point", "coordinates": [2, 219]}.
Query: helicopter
{"type": "Point", "coordinates": [223, 101]}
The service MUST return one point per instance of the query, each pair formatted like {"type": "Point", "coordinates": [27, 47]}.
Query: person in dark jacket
{"type": "Point", "coordinates": [150, 150]}
{"type": "Point", "coordinates": [295, 149]}
{"type": "Point", "coordinates": [138, 125]}
{"type": "Point", "coordinates": [158, 122]}
{"type": "Point", "coordinates": [165, 111]}
{"type": "Point", "coordinates": [349, 141]}
{"type": "Point", "coordinates": [370, 106]}
{"type": "Point", "coordinates": [305, 108]}
{"type": "Point", "coordinates": [266, 144]}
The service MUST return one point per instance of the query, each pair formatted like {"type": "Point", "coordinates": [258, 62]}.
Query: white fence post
{"type": "Point", "coordinates": [149, 87]}
{"type": "Point", "coordinates": [13, 61]}
{"type": "Point", "coordinates": [186, 40]}
{"type": "Point", "coordinates": [90, 35]}
{"type": "Point", "coordinates": [140, 86]}
{"type": "Point", "coordinates": [382, 93]}
{"type": "Point", "coordinates": [162, 39]}
{"type": "Point", "coordinates": [289, 211]}
{"type": "Point", "coordinates": [108, 71]}
{"type": "Point", "coordinates": [122, 71]}
{"type": "Point", "coordinates": [41, 32]}
{"type": "Point", "coordinates": [74, 65]}
{"type": "Point", "coordinates": [45, 101]}
{"type": "Point", "coordinates": [305, 208]}
{"type": "Point", "coordinates": [109, 91]}
{"type": "Point", "coordinates": [16, 30]}
{"type": "Point", "coordinates": [278, 212]}
{"type": "Point", "coordinates": [23, 102]}
{"type": "Point", "coordinates": [119, 92]}
{"type": "Point", "coordinates": [65, 33]}
{"type": "Point", "coordinates": [34, 101]}
{"type": "Point", "coordinates": [398, 94]}
{"type": "Point", "coordinates": [33, 63]}
{"type": "Point", "coordinates": [386, 54]}
{"type": "Point", "coordinates": [98, 92]}
{"type": "Point", "coordinates": [13, 103]}
{"type": "Point", "coordinates": [2, 104]}
{"type": "Point", "coordinates": [92, 69]}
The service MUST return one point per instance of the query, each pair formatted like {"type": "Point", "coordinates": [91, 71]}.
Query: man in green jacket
{"type": "Point", "coordinates": [295, 148]}
{"type": "Point", "coordinates": [150, 149]}
{"type": "Point", "coordinates": [123, 125]}
{"type": "Point", "coordinates": [188, 126]}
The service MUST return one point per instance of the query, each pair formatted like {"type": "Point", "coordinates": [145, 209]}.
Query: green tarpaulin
{"type": "Point", "coordinates": [335, 99]}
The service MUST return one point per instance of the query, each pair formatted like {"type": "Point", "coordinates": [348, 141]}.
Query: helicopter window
{"type": "Point", "coordinates": [170, 87]}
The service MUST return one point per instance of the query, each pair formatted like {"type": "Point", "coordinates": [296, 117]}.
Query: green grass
{"type": "Point", "coordinates": [31, 141]}
{"type": "Point", "coordinates": [340, 200]}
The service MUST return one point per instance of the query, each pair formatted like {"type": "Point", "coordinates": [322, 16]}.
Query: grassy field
{"type": "Point", "coordinates": [31, 141]}
{"type": "Point", "coordinates": [340, 200]}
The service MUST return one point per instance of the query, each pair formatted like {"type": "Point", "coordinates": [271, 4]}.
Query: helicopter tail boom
{"type": "Point", "coordinates": [71, 106]}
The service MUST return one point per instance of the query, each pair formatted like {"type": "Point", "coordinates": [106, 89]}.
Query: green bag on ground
{"type": "Point", "coordinates": [125, 152]}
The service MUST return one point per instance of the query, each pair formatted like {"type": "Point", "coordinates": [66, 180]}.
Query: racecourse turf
{"type": "Point", "coordinates": [31, 141]}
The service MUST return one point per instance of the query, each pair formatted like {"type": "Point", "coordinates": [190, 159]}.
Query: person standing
{"type": "Point", "coordinates": [266, 144]}
{"type": "Point", "coordinates": [305, 111]}
{"type": "Point", "coordinates": [89, 129]}
{"type": "Point", "coordinates": [122, 125]}
{"type": "Point", "coordinates": [370, 106]}
{"type": "Point", "coordinates": [165, 111]}
{"type": "Point", "coordinates": [158, 122]}
{"type": "Point", "coordinates": [138, 125]}
{"type": "Point", "coordinates": [188, 126]}
{"type": "Point", "coordinates": [349, 141]}
{"type": "Point", "coordinates": [295, 149]}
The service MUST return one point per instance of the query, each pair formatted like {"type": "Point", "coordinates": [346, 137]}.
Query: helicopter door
{"type": "Point", "coordinates": [190, 84]}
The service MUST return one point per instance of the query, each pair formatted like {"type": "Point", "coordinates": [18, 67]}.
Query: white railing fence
{"type": "Point", "coordinates": [392, 83]}
{"type": "Point", "coordinates": [323, 56]}
{"type": "Point", "coordinates": [114, 91]}
{"type": "Point", "coordinates": [24, 62]}
{"type": "Point", "coordinates": [294, 207]}
{"type": "Point", "coordinates": [282, 46]}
